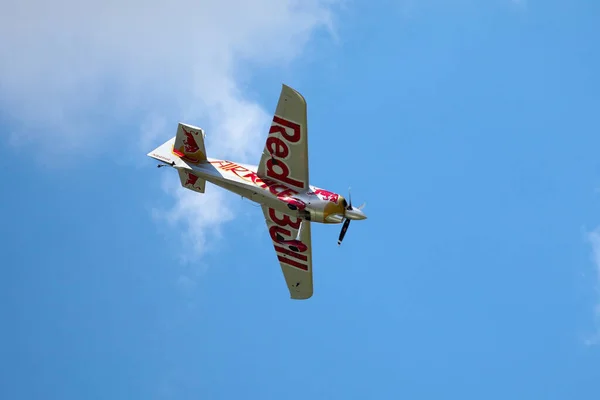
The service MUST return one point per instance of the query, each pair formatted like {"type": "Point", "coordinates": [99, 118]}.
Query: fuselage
{"type": "Point", "coordinates": [313, 204]}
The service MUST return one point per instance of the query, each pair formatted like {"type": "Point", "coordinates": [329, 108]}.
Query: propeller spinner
{"type": "Point", "coordinates": [350, 213]}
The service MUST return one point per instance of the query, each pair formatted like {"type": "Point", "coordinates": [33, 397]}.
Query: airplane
{"type": "Point", "coordinates": [280, 184]}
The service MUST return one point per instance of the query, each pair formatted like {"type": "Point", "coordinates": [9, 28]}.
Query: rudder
{"type": "Point", "coordinates": [189, 143]}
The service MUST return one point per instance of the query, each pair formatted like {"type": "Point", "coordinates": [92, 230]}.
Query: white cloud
{"type": "Point", "coordinates": [198, 216]}
{"type": "Point", "coordinates": [178, 58]}
{"type": "Point", "coordinates": [72, 70]}
{"type": "Point", "coordinates": [594, 239]}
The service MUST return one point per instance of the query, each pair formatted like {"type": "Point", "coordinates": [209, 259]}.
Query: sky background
{"type": "Point", "coordinates": [469, 127]}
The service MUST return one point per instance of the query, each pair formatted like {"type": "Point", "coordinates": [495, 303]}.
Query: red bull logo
{"type": "Point", "coordinates": [327, 195]}
{"type": "Point", "coordinates": [187, 147]}
{"type": "Point", "coordinates": [189, 143]}
{"type": "Point", "coordinates": [191, 179]}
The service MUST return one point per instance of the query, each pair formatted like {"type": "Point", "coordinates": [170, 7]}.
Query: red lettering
{"type": "Point", "coordinates": [283, 176]}
{"type": "Point", "coordinates": [270, 182]}
{"type": "Point", "coordinates": [291, 253]}
{"type": "Point", "coordinates": [279, 229]}
{"type": "Point", "coordinates": [277, 147]}
{"type": "Point", "coordinates": [294, 137]}
{"type": "Point", "coordinates": [287, 192]}
{"type": "Point", "coordinates": [237, 169]}
{"type": "Point", "coordinates": [276, 188]}
{"type": "Point", "coordinates": [273, 189]}
{"type": "Point", "coordinates": [293, 263]}
{"type": "Point", "coordinates": [229, 166]}
{"type": "Point", "coordinates": [285, 221]}
{"type": "Point", "coordinates": [255, 179]}
{"type": "Point", "coordinates": [220, 163]}
{"type": "Point", "coordinates": [274, 230]}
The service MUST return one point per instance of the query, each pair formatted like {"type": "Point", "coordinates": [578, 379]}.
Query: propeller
{"type": "Point", "coordinates": [350, 213]}
{"type": "Point", "coordinates": [343, 232]}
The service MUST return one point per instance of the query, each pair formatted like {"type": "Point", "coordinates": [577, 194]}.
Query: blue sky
{"type": "Point", "coordinates": [470, 128]}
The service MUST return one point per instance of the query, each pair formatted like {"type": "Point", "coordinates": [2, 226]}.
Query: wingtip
{"type": "Point", "coordinates": [306, 297]}
{"type": "Point", "coordinates": [291, 90]}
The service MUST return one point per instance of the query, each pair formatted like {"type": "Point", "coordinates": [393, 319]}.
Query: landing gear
{"type": "Point", "coordinates": [172, 164]}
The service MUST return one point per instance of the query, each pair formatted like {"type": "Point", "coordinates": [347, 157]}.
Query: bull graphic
{"type": "Point", "coordinates": [189, 143]}
{"type": "Point", "coordinates": [191, 179]}
{"type": "Point", "coordinates": [327, 195]}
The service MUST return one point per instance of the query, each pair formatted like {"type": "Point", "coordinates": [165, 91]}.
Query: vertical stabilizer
{"type": "Point", "coordinates": [189, 143]}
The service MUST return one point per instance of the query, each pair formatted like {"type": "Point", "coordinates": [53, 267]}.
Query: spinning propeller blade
{"type": "Point", "coordinates": [349, 199]}
{"type": "Point", "coordinates": [350, 213]}
{"type": "Point", "coordinates": [343, 232]}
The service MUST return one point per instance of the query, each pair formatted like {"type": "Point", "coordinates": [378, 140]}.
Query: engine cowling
{"type": "Point", "coordinates": [319, 209]}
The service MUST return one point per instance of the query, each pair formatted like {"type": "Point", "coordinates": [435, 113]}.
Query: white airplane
{"type": "Point", "coordinates": [279, 184]}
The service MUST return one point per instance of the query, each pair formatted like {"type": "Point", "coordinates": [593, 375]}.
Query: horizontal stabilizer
{"type": "Point", "coordinates": [164, 152]}
{"type": "Point", "coordinates": [191, 181]}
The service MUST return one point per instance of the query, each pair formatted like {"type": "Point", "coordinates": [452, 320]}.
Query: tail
{"type": "Point", "coordinates": [187, 146]}
{"type": "Point", "coordinates": [189, 143]}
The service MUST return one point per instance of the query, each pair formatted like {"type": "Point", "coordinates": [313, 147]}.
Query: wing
{"type": "Point", "coordinates": [285, 156]}
{"type": "Point", "coordinates": [296, 265]}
